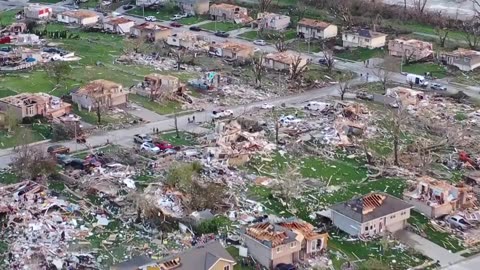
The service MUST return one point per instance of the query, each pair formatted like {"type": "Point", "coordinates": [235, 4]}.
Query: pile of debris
{"type": "Point", "coordinates": [158, 62]}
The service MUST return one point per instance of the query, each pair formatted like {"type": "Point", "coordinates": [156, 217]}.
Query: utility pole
{"type": "Point", "coordinates": [176, 124]}
{"type": "Point", "coordinates": [143, 9]}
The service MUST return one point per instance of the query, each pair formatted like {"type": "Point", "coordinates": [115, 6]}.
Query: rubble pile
{"type": "Point", "coordinates": [159, 63]}
{"type": "Point", "coordinates": [235, 94]}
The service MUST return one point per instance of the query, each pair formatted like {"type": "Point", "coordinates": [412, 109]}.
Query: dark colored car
{"type": "Point", "coordinates": [175, 24]}
{"type": "Point", "coordinates": [6, 49]}
{"type": "Point", "coordinates": [58, 149]}
{"type": "Point", "coordinates": [222, 34]}
{"type": "Point", "coordinates": [127, 7]}
{"type": "Point", "coordinates": [195, 28]}
{"type": "Point", "coordinates": [164, 145]}
{"type": "Point", "coordinates": [284, 266]}
{"type": "Point", "coordinates": [364, 96]}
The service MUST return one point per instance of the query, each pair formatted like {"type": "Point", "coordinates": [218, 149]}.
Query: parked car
{"type": "Point", "coordinates": [417, 80]}
{"type": "Point", "coordinates": [458, 222]}
{"type": "Point", "coordinates": [150, 19]}
{"type": "Point", "coordinates": [260, 42]}
{"type": "Point", "coordinates": [141, 138]}
{"type": "Point", "coordinates": [58, 149]}
{"type": "Point", "coordinates": [315, 106]}
{"type": "Point", "coordinates": [364, 96]}
{"type": "Point", "coordinates": [6, 49]}
{"type": "Point", "coordinates": [127, 7]}
{"type": "Point", "coordinates": [267, 106]}
{"type": "Point", "coordinates": [285, 266]}
{"type": "Point", "coordinates": [437, 86]}
{"type": "Point", "coordinates": [324, 61]}
{"type": "Point", "coordinates": [221, 114]}
{"type": "Point", "coordinates": [289, 119]}
{"type": "Point", "coordinates": [222, 34]}
{"type": "Point", "coordinates": [150, 147]}
{"type": "Point", "coordinates": [195, 28]}
{"type": "Point", "coordinates": [176, 17]}
{"type": "Point", "coordinates": [163, 145]}
{"type": "Point", "coordinates": [175, 24]}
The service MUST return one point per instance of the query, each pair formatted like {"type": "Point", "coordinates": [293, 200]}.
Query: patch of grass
{"type": "Point", "coordinates": [45, 1]}
{"type": "Point", "coordinates": [6, 93]}
{"type": "Point", "coordinates": [166, 107]}
{"type": "Point", "coordinates": [446, 240]}
{"type": "Point", "coordinates": [304, 46]}
{"type": "Point", "coordinates": [251, 35]}
{"type": "Point", "coordinates": [163, 14]}
{"type": "Point", "coordinates": [192, 20]}
{"type": "Point", "coordinates": [420, 69]}
{"type": "Point", "coordinates": [361, 54]}
{"type": "Point", "coordinates": [8, 178]}
{"type": "Point", "coordinates": [184, 139]}
{"type": "Point", "coordinates": [221, 26]}
{"type": "Point", "coordinates": [320, 73]}
{"type": "Point", "coordinates": [233, 251]}
{"type": "Point", "coordinates": [426, 29]}
{"type": "Point", "coordinates": [459, 116]}
{"type": "Point", "coordinates": [8, 17]}
{"type": "Point", "coordinates": [89, 4]}
{"type": "Point", "coordinates": [9, 140]}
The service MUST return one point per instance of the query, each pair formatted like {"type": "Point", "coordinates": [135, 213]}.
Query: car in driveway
{"type": "Point", "coordinates": [364, 96]}
{"type": "Point", "coordinates": [458, 222]}
{"type": "Point", "coordinates": [127, 7]}
{"type": "Point", "coordinates": [260, 42]}
{"type": "Point", "coordinates": [150, 19]}
{"type": "Point", "coordinates": [178, 17]}
{"type": "Point", "coordinates": [222, 34]}
{"type": "Point", "coordinates": [175, 24]}
{"type": "Point", "coordinates": [141, 138]}
{"type": "Point", "coordinates": [58, 149]}
{"type": "Point", "coordinates": [438, 87]}
{"type": "Point", "coordinates": [221, 114]}
{"type": "Point", "coordinates": [285, 266]}
{"type": "Point", "coordinates": [150, 147]}
{"type": "Point", "coordinates": [163, 145]}
{"type": "Point", "coordinates": [195, 28]}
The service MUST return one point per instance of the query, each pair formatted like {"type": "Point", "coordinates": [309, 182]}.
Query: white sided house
{"type": "Point", "coordinates": [315, 29]}
{"type": "Point", "coordinates": [118, 25]}
{"type": "Point", "coordinates": [78, 17]}
{"type": "Point", "coordinates": [364, 38]}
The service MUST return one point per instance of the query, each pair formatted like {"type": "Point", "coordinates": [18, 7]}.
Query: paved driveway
{"type": "Point", "coordinates": [428, 248]}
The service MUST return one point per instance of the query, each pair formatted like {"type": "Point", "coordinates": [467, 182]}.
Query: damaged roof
{"type": "Point", "coordinates": [464, 53]}
{"type": "Point", "coordinates": [304, 228]}
{"type": "Point", "coordinates": [98, 86]}
{"type": "Point", "coordinates": [270, 235]}
{"type": "Point", "coordinates": [119, 20]}
{"type": "Point", "coordinates": [224, 6]}
{"type": "Point", "coordinates": [314, 23]}
{"type": "Point", "coordinates": [151, 27]}
{"type": "Point", "coordinates": [366, 33]}
{"type": "Point", "coordinates": [198, 258]}
{"type": "Point", "coordinates": [80, 14]}
{"type": "Point", "coordinates": [370, 206]}
{"type": "Point", "coordinates": [134, 263]}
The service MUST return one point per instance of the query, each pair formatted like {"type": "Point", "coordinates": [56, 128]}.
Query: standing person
{"type": "Point", "coordinates": [193, 119]}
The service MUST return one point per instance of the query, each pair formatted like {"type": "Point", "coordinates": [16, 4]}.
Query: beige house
{"type": "Point", "coordinates": [184, 39]}
{"type": "Point", "coordinates": [283, 60]}
{"type": "Point", "coordinates": [286, 242]}
{"type": "Point", "coordinates": [231, 50]}
{"type": "Point", "coordinates": [464, 59]}
{"type": "Point", "coordinates": [151, 31]}
{"type": "Point", "coordinates": [370, 215]}
{"type": "Point", "coordinates": [37, 12]}
{"type": "Point", "coordinates": [411, 49]}
{"type": "Point", "coordinates": [271, 21]}
{"type": "Point", "coordinates": [118, 25]}
{"type": "Point", "coordinates": [315, 29]}
{"type": "Point", "coordinates": [29, 105]}
{"type": "Point", "coordinates": [103, 93]}
{"type": "Point", "coordinates": [436, 198]}
{"type": "Point", "coordinates": [229, 13]}
{"type": "Point", "coordinates": [194, 7]}
{"type": "Point", "coordinates": [364, 38]}
{"type": "Point", "coordinates": [159, 84]}
{"type": "Point", "coordinates": [79, 17]}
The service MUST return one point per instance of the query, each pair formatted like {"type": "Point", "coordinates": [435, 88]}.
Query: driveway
{"type": "Point", "coordinates": [467, 264]}
{"type": "Point", "coordinates": [146, 114]}
{"type": "Point", "coordinates": [428, 248]}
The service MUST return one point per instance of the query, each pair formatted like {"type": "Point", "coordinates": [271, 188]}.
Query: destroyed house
{"type": "Point", "coordinates": [102, 93]}
{"type": "Point", "coordinates": [194, 7]}
{"type": "Point", "coordinates": [160, 84]}
{"type": "Point", "coordinates": [464, 59]}
{"type": "Point", "coordinates": [231, 50]}
{"type": "Point", "coordinates": [37, 12]}
{"type": "Point", "coordinates": [271, 244]}
{"type": "Point", "coordinates": [315, 29]}
{"type": "Point", "coordinates": [283, 61]}
{"type": "Point", "coordinates": [211, 256]}
{"type": "Point", "coordinates": [79, 17]}
{"type": "Point", "coordinates": [370, 215]}
{"type": "Point", "coordinates": [436, 198]}
{"type": "Point", "coordinates": [228, 12]}
{"type": "Point", "coordinates": [412, 49]}
{"type": "Point", "coordinates": [135, 263]}
{"type": "Point", "coordinates": [271, 21]}
{"type": "Point", "coordinates": [119, 25]}
{"type": "Point", "coordinates": [364, 38]}
{"type": "Point", "coordinates": [150, 31]}
{"type": "Point", "coordinates": [183, 39]}
{"type": "Point", "coordinates": [29, 105]}
{"type": "Point", "coordinates": [405, 96]}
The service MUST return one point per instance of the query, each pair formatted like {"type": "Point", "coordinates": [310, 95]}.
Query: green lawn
{"type": "Point", "coordinates": [168, 107]}
{"type": "Point", "coordinates": [7, 178]}
{"type": "Point", "coordinates": [443, 239]}
{"type": "Point", "coordinates": [221, 26]}
{"type": "Point", "coordinates": [234, 253]}
{"type": "Point", "coordinates": [420, 69]}
{"type": "Point", "coordinates": [192, 20]}
{"type": "Point", "coordinates": [269, 35]}
{"type": "Point", "coordinates": [304, 46]}
{"type": "Point", "coordinates": [9, 140]}
{"type": "Point", "coordinates": [251, 35]}
{"type": "Point", "coordinates": [88, 4]}
{"type": "Point", "coordinates": [163, 14]}
{"type": "Point", "coordinates": [360, 54]}
{"type": "Point", "coordinates": [45, 1]}
{"type": "Point", "coordinates": [7, 17]}
{"type": "Point", "coordinates": [184, 139]}
{"type": "Point", "coordinates": [427, 29]}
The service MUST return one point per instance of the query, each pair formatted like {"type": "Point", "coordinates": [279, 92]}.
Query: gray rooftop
{"type": "Point", "coordinates": [354, 208]}
{"type": "Point", "coordinates": [134, 263]}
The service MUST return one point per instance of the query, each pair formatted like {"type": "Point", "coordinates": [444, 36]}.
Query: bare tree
{"type": "Point", "coordinates": [258, 69]}
{"type": "Point", "coordinates": [383, 76]}
{"type": "Point", "coordinates": [134, 45]}
{"type": "Point", "coordinates": [179, 55]}
{"type": "Point", "coordinates": [471, 31]}
{"type": "Point", "coordinates": [289, 184]}
{"type": "Point", "coordinates": [377, 21]}
{"type": "Point", "coordinates": [393, 122]}
{"type": "Point", "coordinates": [407, 56]}
{"type": "Point", "coordinates": [419, 6]}
{"type": "Point", "coordinates": [280, 42]}
{"type": "Point", "coordinates": [58, 71]}
{"type": "Point", "coordinates": [297, 68]}
{"type": "Point", "coordinates": [329, 59]}
{"type": "Point", "coordinates": [264, 5]}
{"type": "Point", "coordinates": [442, 33]}
{"type": "Point", "coordinates": [343, 85]}
{"type": "Point", "coordinates": [345, 13]}
{"type": "Point", "coordinates": [175, 119]}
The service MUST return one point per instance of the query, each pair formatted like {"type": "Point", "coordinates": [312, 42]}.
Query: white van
{"type": "Point", "coordinates": [417, 80]}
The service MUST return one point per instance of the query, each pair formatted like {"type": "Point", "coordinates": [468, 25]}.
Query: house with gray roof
{"type": "Point", "coordinates": [364, 38]}
{"type": "Point", "coordinates": [370, 215]}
